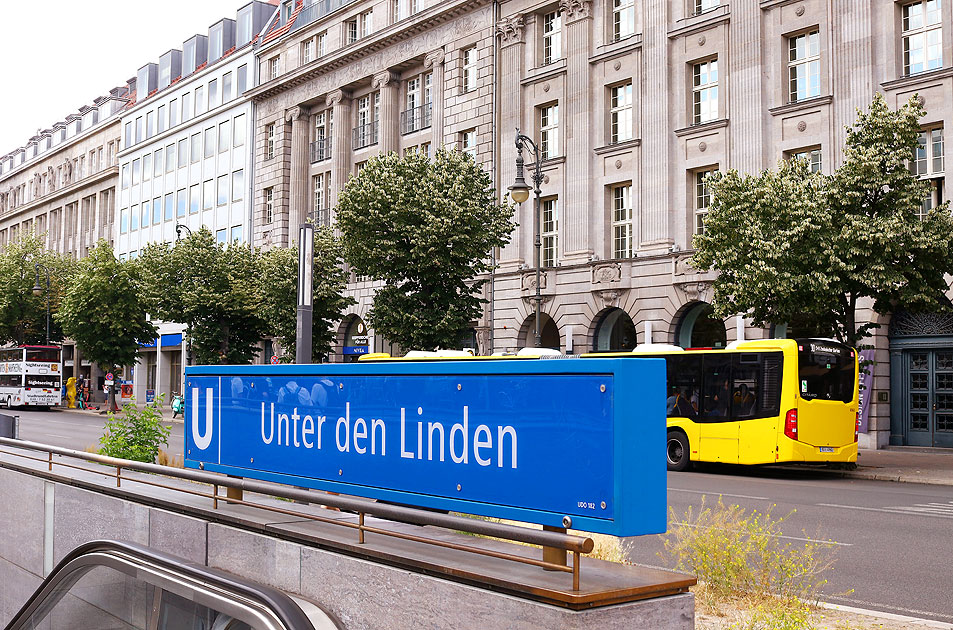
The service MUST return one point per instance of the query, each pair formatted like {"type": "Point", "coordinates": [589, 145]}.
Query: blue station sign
{"type": "Point", "coordinates": [530, 440]}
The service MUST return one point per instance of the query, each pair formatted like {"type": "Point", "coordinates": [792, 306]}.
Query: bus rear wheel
{"type": "Point", "coordinates": [676, 451]}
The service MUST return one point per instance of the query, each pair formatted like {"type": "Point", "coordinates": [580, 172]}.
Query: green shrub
{"type": "Point", "coordinates": [136, 433]}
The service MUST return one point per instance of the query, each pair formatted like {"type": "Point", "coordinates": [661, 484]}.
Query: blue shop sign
{"type": "Point", "coordinates": [531, 440]}
{"type": "Point", "coordinates": [355, 349]}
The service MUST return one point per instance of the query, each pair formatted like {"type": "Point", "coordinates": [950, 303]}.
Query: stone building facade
{"type": "Point", "coordinates": [62, 186]}
{"type": "Point", "coordinates": [632, 104]}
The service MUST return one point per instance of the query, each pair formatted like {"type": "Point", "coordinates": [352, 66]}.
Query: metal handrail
{"type": "Point", "coordinates": [365, 135]}
{"type": "Point", "coordinates": [556, 540]}
{"type": "Point", "coordinates": [321, 149]}
{"type": "Point", "coordinates": [416, 118]}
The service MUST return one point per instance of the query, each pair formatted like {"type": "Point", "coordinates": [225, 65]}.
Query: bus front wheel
{"type": "Point", "coordinates": [676, 451]}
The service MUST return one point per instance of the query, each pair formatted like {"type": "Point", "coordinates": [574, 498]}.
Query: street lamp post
{"type": "Point", "coordinates": [304, 320]}
{"type": "Point", "coordinates": [519, 192]}
{"type": "Point", "coordinates": [37, 290]}
{"type": "Point", "coordinates": [188, 345]}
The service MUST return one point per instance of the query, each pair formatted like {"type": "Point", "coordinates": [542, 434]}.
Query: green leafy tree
{"type": "Point", "coordinates": [103, 311]}
{"type": "Point", "coordinates": [791, 245]}
{"type": "Point", "coordinates": [279, 275]}
{"type": "Point", "coordinates": [425, 228]}
{"type": "Point", "coordinates": [214, 289]}
{"type": "Point", "coordinates": [23, 314]}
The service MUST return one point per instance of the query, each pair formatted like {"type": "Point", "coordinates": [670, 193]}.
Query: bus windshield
{"type": "Point", "coordinates": [825, 370]}
{"type": "Point", "coordinates": [43, 355]}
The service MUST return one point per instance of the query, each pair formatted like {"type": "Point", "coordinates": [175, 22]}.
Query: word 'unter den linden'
{"type": "Point", "coordinates": [419, 439]}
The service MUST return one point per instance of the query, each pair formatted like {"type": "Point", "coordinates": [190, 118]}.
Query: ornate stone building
{"type": "Point", "coordinates": [62, 186]}
{"type": "Point", "coordinates": [632, 103]}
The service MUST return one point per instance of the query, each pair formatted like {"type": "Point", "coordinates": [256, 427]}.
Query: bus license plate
{"type": "Point", "coordinates": [826, 449]}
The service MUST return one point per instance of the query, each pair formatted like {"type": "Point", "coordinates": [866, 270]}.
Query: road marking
{"type": "Point", "coordinates": [908, 511]}
{"type": "Point", "coordinates": [65, 437]}
{"type": "Point", "coordinates": [911, 611]}
{"type": "Point", "coordinates": [721, 494]}
{"type": "Point", "coordinates": [832, 543]}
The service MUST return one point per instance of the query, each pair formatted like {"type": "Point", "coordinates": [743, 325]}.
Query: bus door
{"type": "Point", "coordinates": [756, 395]}
{"type": "Point", "coordinates": [827, 393]}
{"type": "Point", "coordinates": [719, 436]}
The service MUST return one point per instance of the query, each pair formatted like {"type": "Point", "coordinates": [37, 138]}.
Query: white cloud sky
{"type": "Point", "coordinates": [61, 54]}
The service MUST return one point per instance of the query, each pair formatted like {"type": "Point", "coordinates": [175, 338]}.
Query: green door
{"type": "Point", "coordinates": [929, 404]}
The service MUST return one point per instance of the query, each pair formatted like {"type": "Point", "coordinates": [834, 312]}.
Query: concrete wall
{"type": "Point", "coordinates": [53, 518]}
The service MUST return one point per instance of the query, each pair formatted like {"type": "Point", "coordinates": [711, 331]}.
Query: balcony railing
{"type": "Point", "coordinates": [320, 150]}
{"type": "Point", "coordinates": [416, 118]}
{"type": "Point", "coordinates": [365, 135]}
{"type": "Point", "coordinates": [316, 11]}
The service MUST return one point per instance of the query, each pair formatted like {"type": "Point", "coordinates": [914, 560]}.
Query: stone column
{"type": "Point", "coordinates": [511, 32]}
{"type": "Point", "coordinates": [575, 110]}
{"type": "Point", "coordinates": [300, 165]}
{"type": "Point", "coordinates": [158, 367]}
{"type": "Point", "coordinates": [434, 62]}
{"type": "Point", "coordinates": [388, 125]}
{"type": "Point", "coordinates": [340, 104]}
{"type": "Point", "coordinates": [658, 173]}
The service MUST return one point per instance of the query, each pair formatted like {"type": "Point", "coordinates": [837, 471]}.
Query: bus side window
{"type": "Point", "coordinates": [716, 388]}
{"type": "Point", "coordinates": [771, 373]}
{"type": "Point", "coordinates": [745, 386]}
{"type": "Point", "coordinates": [684, 386]}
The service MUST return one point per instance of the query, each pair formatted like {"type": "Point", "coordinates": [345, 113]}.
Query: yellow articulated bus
{"type": "Point", "coordinates": [758, 402]}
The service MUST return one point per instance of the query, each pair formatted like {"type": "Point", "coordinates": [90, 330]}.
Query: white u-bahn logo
{"type": "Point", "coordinates": [202, 441]}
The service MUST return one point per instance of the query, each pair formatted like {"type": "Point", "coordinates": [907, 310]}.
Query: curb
{"type": "Point", "coordinates": [896, 477]}
{"type": "Point", "coordinates": [926, 623]}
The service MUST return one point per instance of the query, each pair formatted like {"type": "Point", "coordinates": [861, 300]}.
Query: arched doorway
{"type": "Point", "coordinates": [615, 332]}
{"type": "Point", "coordinates": [700, 328]}
{"type": "Point", "coordinates": [548, 332]}
{"type": "Point", "coordinates": [355, 339]}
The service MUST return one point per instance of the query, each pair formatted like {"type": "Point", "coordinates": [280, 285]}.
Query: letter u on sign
{"type": "Point", "coordinates": [202, 441]}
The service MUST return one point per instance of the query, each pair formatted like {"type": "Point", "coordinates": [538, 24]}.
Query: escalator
{"type": "Point", "coordinates": [106, 585]}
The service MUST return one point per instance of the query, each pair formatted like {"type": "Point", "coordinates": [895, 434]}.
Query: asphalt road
{"type": "Point", "coordinates": [893, 542]}
{"type": "Point", "coordinates": [78, 431]}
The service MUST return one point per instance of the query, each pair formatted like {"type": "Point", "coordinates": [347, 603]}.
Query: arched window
{"type": "Point", "coordinates": [615, 333]}
{"type": "Point", "coordinates": [700, 328]}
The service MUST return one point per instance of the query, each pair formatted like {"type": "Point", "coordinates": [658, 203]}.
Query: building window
{"type": "Point", "coordinates": [622, 233]}
{"type": "Point", "coordinates": [195, 195]}
{"type": "Point", "coordinates": [702, 199]}
{"type": "Point", "coordinates": [469, 69]}
{"type": "Point", "coordinates": [238, 130]}
{"type": "Point", "coordinates": [269, 141]}
{"type": "Point", "coordinates": [468, 142]}
{"type": "Point", "coordinates": [170, 158]}
{"type": "Point", "coordinates": [367, 22]}
{"type": "Point", "coordinates": [238, 185]}
{"type": "Point", "coordinates": [242, 78]}
{"type": "Point", "coordinates": [620, 113]}
{"type": "Point", "coordinates": [236, 234]}
{"type": "Point", "coordinates": [804, 66]}
{"type": "Point", "coordinates": [320, 186]}
{"type": "Point", "coordinates": [173, 113]}
{"type": "Point", "coordinates": [623, 19]}
{"type": "Point", "coordinates": [221, 187]}
{"type": "Point", "coordinates": [549, 131]}
{"type": "Point", "coordinates": [157, 163]}
{"type": "Point", "coordinates": [922, 37]}
{"type": "Point", "coordinates": [181, 202]}
{"type": "Point", "coordinates": [186, 106]}
{"type": "Point", "coordinates": [196, 147]}
{"type": "Point", "coordinates": [928, 164]}
{"type": "Point", "coordinates": [811, 156]}
{"type": "Point", "coordinates": [418, 113]}
{"type": "Point", "coordinates": [223, 138]}
{"type": "Point", "coordinates": [226, 87]}
{"type": "Point", "coordinates": [123, 221]}
{"type": "Point", "coordinates": [161, 116]}
{"type": "Point", "coordinates": [552, 33]}
{"type": "Point", "coordinates": [267, 213]}
{"type": "Point", "coordinates": [415, 6]}
{"type": "Point", "coordinates": [169, 209]}
{"type": "Point", "coordinates": [307, 51]}
{"type": "Point", "coordinates": [125, 176]}
{"type": "Point", "coordinates": [146, 213]}
{"type": "Point", "coordinates": [368, 113]}
{"type": "Point", "coordinates": [146, 167]}
{"type": "Point", "coordinates": [139, 130]}
{"type": "Point", "coordinates": [221, 236]}
{"type": "Point", "coordinates": [322, 44]}
{"type": "Point", "coordinates": [705, 5]}
{"type": "Point", "coordinates": [133, 218]}
{"type": "Point", "coordinates": [210, 142]}
{"type": "Point", "coordinates": [351, 28]}
{"type": "Point", "coordinates": [136, 165]}
{"type": "Point", "coordinates": [213, 94]}
{"type": "Point", "coordinates": [208, 194]}
{"type": "Point", "coordinates": [199, 100]}
{"type": "Point", "coordinates": [273, 68]}
{"type": "Point", "coordinates": [705, 91]}
{"type": "Point", "coordinates": [549, 231]}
